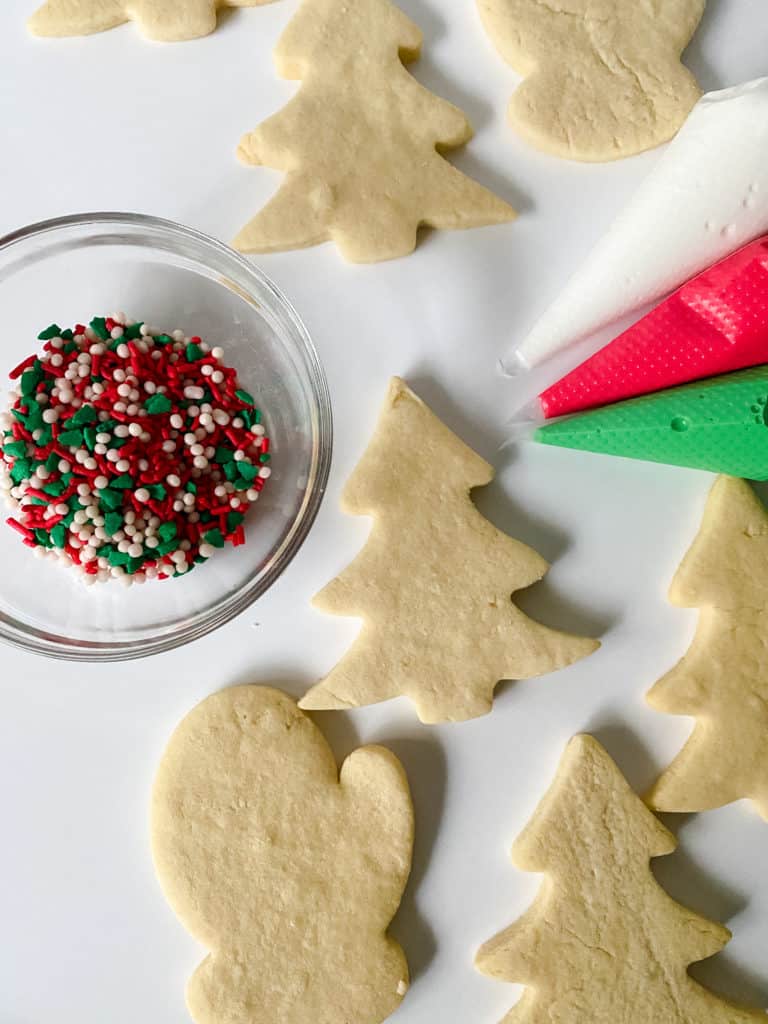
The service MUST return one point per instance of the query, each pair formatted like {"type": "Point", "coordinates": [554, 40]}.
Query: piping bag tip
{"type": "Point", "coordinates": [512, 365]}
{"type": "Point", "coordinates": [529, 413]}
{"type": "Point", "coordinates": [522, 430]}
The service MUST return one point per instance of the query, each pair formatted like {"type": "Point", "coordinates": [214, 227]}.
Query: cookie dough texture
{"type": "Point", "coordinates": [361, 141]}
{"type": "Point", "coordinates": [723, 679]}
{"type": "Point", "coordinates": [162, 20]}
{"type": "Point", "coordinates": [601, 78]}
{"type": "Point", "coordinates": [603, 943]}
{"type": "Point", "coordinates": [433, 583]}
{"type": "Point", "coordinates": [288, 872]}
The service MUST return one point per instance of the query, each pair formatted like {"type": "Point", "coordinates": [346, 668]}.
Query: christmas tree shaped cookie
{"type": "Point", "coordinates": [360, 142]}
{"type": "Point", "coordinates": [723, 679]}
{"type": "Point", "coordinates": [163, 20]}
{"type": "Point", "coordinates": [602, 79]}
{"type": "Point", "coordinates": [603, 943]}
{"type": "Point", "coordinates": [288, 872]}
{"type": "Point", "coordinates": [433, 582]}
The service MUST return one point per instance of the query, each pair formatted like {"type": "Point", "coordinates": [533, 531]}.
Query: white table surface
{"type": "Point", "coordinates": [112, 122]}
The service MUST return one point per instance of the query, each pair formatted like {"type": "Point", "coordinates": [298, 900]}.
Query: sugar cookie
{"type": "Point", "coordinates": [162, 20]}
{"type": "Point", "coordinates": [723, 679]}
{"type": "Point", "coordinates": [603, 942]}
{"type": "Point", "coordinates": [287, 871]}
{"type": "Point", "coordinates": [602, 78]}
{"type": "Point", "coordinates": [433, 582]}
{"type": "Point", "coordinates": [360, 142]}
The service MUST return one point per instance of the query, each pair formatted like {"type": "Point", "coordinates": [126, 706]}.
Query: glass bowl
{"type": "Point", "coordinates": [73, 268]}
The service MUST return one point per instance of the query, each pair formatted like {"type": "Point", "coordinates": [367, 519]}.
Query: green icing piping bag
{"type": "Point", "coordinates": [720, 425]}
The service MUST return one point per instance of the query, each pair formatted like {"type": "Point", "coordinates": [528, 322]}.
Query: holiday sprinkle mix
{"type": "Point", "coordinates": [129, 453]}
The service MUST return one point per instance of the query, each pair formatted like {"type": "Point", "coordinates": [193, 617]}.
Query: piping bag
{"type": "Point", "coordinates": [705, 197]}
{"type": "Point", "coordinates": [720, 425]}
{"type": "Point", "coordinates": [714, 324]}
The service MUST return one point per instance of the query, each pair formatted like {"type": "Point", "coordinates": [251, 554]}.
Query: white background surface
{"type": "Point", "coordinates": [112, 122]}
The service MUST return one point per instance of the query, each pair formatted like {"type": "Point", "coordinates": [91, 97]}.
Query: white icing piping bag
{"type": "Point", "coordinates": [706, 197]}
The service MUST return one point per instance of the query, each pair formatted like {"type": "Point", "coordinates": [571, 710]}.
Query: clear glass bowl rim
{"type": "Point", "coordinates": [209, 619]}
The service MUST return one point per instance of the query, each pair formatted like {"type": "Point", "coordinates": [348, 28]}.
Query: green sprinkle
{"type": "Point", "coordinates": [41, 536]}
{"type": "Point", "coordinates": [163, 339]}
{"type": "Point", "coordinates": [59, 535]}
{"type": "Point", "coordinates": [31, 378]}
{"type": "Point", "coordinates": [89, 436]}
{"type": "Point", "coordinates": [244, 397]}
{"type": "Point", "coordinates": [206, 517]}
{"type": "Point", "coordinates": [52, 462]}
{"type": "Point", "coordinates": [46, 436]}
{"type": "Point", "coordinates": [109, 499]}
{"type": "Point", "coordinates": [67, 335]}
{"type": "Point", "coordinates": [55, 488]}
{"type": "Point", "coordinates": [198, 560]}
{"type": "Point", "coordinates": [234, 519]}
{"type": "Point", "coordinates": [18, 449]}
{"type": "Point", "coordinates": [71, 438]}
{"type": "Point", "coordinates": [70, 347]}
{"type": "Point", "coordinates": [224, 454]}
{"type": "Point", "coordinates": [265, 457]}
{"type": "Point", "coordinates": [190, 487]}
{"type": "Point", "coordinates": [158, 403]}
{"type": "Point", "coordinates": [118, 442]}
{"type": "Point", "coordinates": [231, 471]}
{"type": "Point", "coordinates": [166, 548]}
{"type": "Point", "coordinates": [113, 521]}
{"type": "Point", "coordinates": [167, 531]}
{"type": "Point", "coordinates": [116, 557]}
{"type": "Point", "coordinates": [194, 352]}
{"type": "Point", "coordinates": [247, 470]}
{"type": "Point", "coordinates": [241, 484]}
{"type": "Point", "coordinates": [21, 470]}
{"type": "Point", "coordinates": [85, 414]}
{"type": "Point", "coordinates": [54, 331]}
{"type": "Point", "coordinates": [134, 564]}
{"type": "Point", "coordinates": [67, 478]}
{"type": "Point", "coordinates": [37, 501]}
{"type": "Point", "coordinates": [35, 417]}
{"type": "Point", "coordinates": [122, 482]}
{"type": "Point", "coordinates": [133, 332]}
{"type": "Point", "coordinates": [246, 415]}
{"type": "Point", "coordinates": [68, 519]}
{"type": "Point", "coordinates": [157, 491]}
{"type": "Point", "coordinates": [99, 327]}
{"type": "Point", "coordinates": [214, 538]}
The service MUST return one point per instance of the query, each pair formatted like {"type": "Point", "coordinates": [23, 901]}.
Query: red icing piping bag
{"type": "Point", "coordinates": [713, 324]}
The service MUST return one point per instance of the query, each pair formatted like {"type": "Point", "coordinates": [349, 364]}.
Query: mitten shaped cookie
{"type": "Point", "coordinates": [603, 942]}
{"type": "Point", "coordinates": [602, 78]}
{"type": "Point", "coordinates": [286, 870]}
{"type": "Point", "coordinates": [723, 679]}
{"type": "Point", "coordinates": [361, 141]}
{"type": "Point", "coordinates": [433, 582]}
{"type": "Point", "coordinates": [163, 20]}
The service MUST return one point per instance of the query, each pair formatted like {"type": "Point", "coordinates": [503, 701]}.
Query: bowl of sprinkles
{"type": "Point", "coordinates": [171, 460]}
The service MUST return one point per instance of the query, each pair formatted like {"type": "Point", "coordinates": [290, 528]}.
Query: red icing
{"type": "Point", "coordinates": [715, 323]}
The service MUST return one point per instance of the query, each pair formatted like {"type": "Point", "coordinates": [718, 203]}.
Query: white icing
{"type": "Point", "coordinates": [706, 196]}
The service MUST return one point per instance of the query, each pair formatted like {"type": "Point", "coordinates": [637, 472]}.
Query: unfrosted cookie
{"type": "Point", "coordinates": [602, 78]}
{"type": "Point", "coordinates": [603, 943]}
{"type": "Point", "coordinates": [361, 141]}
{"type": "Point", "coordinates": [433, 583]}
{"type": "Point", "coordinates": [723, 679]}
{"type": "Point", "coordinates": [288, 872]}
{"type": "Point", "coordinates": [163, 20]}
